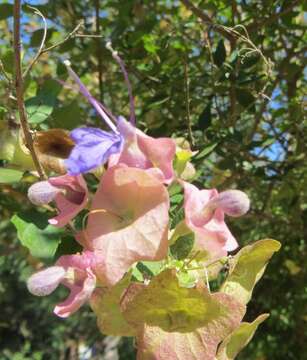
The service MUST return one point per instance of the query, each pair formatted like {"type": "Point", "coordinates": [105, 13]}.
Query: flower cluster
{"type": "Point", "coordinates": [128, 218]}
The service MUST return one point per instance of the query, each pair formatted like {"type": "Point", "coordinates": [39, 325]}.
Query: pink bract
{"type": "Point", "coordinates": [128, 221]}
{"type": "Point", "coordinates": [144, 152]}
{"type": "Point", "coordinates": [207, 222]}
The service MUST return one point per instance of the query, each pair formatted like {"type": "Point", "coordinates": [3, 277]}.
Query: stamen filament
{"type": "Point", "coordinates": [98, 106]}
{"type": "Point", "coordinates": [120, 62]}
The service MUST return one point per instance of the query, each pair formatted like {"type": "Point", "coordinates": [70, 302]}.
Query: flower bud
{"type": "Point", "coordinates": [233, 202]}
{"type": "Point", "coordinates": [46, 281]}
{"type": "Point", "coordinates": [42, 193]}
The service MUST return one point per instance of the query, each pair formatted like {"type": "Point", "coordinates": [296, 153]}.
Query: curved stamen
{"type": "Point", "coordinates": [120, 62]}
{"type": "Point", "coordinates": [98, 106]}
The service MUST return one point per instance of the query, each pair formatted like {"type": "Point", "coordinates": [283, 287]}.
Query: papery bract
{"type": "Point", "coordinates": [155, 343]}
{"type": "Point", "coordinates": [128, 221]}
{"type": "Point", "coordinates": [69, 192]}
{"type": "Point", "coordinates": [164, 303]}
{"type": "Point", "coordinates": [144, 152]}
{"type": "Point", "coordinates": [74, 272]}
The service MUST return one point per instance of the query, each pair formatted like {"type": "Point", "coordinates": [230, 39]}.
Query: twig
{"type": "Point", "coordinates": [88, 36]}
{"type": "Point", "coordinates": [254, 26]}
{"type": "Point", "coordinates": [19, 91]}
{"type": "Point", "coordinates": [44, 50]}
{"type": "Point", "coordinates": [207, 19]}
{"type": "Point", "coordinates": [67, 37]}
{"type": "Point", "coordinates": [98, 49]}
{"type": "Point", "coordinates": [4, 72]}
{"type": "Point", "coordinates": [187, 101]}
{"type": "Point", "coordinates": [36, 11]}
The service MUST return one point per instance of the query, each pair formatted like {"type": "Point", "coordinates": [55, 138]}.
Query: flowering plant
{"type": "Point", "coordinates": [145, 272]}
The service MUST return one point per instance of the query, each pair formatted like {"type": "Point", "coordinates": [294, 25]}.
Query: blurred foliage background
{"type": "Point", "coordinates": [228, 76]}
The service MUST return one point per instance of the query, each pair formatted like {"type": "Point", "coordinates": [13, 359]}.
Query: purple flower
{"type": "Point", "coordinates": [93, 148]}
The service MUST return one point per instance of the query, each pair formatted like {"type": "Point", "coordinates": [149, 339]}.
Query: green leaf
{"type": "Point", "coordinates": [149, 268]}
{"type": "Point", "coordinates": [8, 61]}
{"type": "Point", "coordinates": [68, 116]}
{"type": "Point", "coordinates": [35, 234]}
{"type": "Point", "coordinates": [9, 176]}
{"type": "Point", "coordinates": [236, 341]}
{"type": "Point", "coordinates": [37, 36]}
{"type": "Point", "coordinates": [39, 108]}
{"type": "Point", "coordinates": [50, 88]}
{"type": "Point", "coordinates": [6, 10]}
{"type": "Point", "coordinates": [206, 151]}
{"type": "Point", "coordinates": [181, 159]}
{"type": "Point", "coordinates": [183, 246]}
{"type": "Point", "coordinates": [219, 55]}
{"type": "Point", "coordinates": [106, 306]}
{"type": "Point", "coordinates": [245, 97]}
{"type": "Point", "coordinates": [205, 118]}
{"type": "Point", "coordinates": [250, 60]}
{"type": "Point", "coordinates": [247, 267]}
{"type": "Point", "coordinates": [67, 246]}
{"type": "Point", "coordinates": [164, 303]}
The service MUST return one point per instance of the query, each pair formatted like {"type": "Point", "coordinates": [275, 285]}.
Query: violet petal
{"type": "Point", "coordinates": [93, 148]}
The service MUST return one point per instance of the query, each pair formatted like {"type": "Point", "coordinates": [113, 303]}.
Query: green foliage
{"type": "Point", "coordinates": [8, 176]}
{"type": "Point", "coordinates": [234, 343]}
{"type": "Point", "coordinates": [247, 267]}
{"type": "Point", "coordinates": [175, 308]}
{"type": "Point", "coordinates": [243, 139]}
{"type": "Point", "coordinates": [35, 234]}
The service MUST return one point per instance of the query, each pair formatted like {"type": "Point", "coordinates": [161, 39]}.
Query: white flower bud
{"type": "Point", "coordinates": [42, 193]}
{"type": "Point", "coordinates": [233, 202]}
{"type": "Point", "coordinates": [46, 281]}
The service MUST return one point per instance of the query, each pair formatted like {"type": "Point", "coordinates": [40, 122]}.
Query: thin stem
{"type": "Point", "coordinates": [19, 91]}
{"type": "Point", "coordinates": [44, 50]}
{"type": "Point", "coordinates": [98, 50]}
{"type": "Point", "coordinates": [36, 11]}
{"type": "Point", "coordinates": [187, 101]}
{"type": "Point", "coordinates": [120, 62]}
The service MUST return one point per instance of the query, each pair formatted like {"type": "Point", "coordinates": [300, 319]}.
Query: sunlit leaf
{"type": "Point", "coordinates": [35, 234]}
{"type": "Point", "coordinates": [106, 305]}
{"type": "Point", "coordinates": [237, 340]}
{"type": "Point", "coordinates": [165, 304]}
{"type": "Point", "coordinates": [247, 267]}
{"type": "Point", "coordinates": [8, 176]}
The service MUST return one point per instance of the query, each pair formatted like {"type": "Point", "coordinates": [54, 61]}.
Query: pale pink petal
{"type": "Point", "coordinates": [195, 201]}
{"type": "Point", "coordinates": [160, 152]}
{"type": "Point", "coordinates": [77, 297]}
{"type": "Point", "coordinates": [207, 221]}
{"type": "Point", "coordinates": [128, 221]}
{"type": "Point", "coordinates": [79, 261]}
{"type": "Point", "coordinates": [46, 281]}
{"type": "Point", "coordinates": [144, 152]}
{"type": "Point", "coordinates": [74, 200]}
